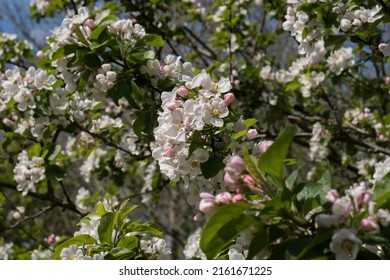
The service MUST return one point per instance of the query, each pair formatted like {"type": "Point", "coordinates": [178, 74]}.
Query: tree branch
{"type": "Point", "coordinates": [56, 202]}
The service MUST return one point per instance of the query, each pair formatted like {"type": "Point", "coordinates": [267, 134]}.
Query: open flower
{"type": "Point", "coordinates": [345, 244]}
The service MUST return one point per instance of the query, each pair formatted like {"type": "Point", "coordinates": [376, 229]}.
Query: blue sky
{"type": "Point", "coordinates": [19, 9]}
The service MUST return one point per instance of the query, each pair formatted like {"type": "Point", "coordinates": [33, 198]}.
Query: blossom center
{"type": "Point", "coordinates": [215, 112]}
{"type": "Point", "coordinates": [214, 87]}
{"type": "Point", "coordinates": [347, 245]}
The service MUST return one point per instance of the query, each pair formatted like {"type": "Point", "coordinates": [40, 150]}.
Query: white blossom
{"type": "Point", "coordinates": [345, 244]}
{"type": "Point", "coordinates": [340, 60]}
{"type": "Point", "coordinates": [155, 246]}
{"type": "Point", "coordinates": [27, 173]}
{"type": "Point", "coordinates": [6, 251]}
{"type": "Point", "coordinates": [381, 169]}
{"type": "Point", "coordinates": [192, 249]}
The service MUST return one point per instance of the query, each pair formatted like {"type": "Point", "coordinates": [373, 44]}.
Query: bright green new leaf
{"type": "Point", "coordinates": [144, 228]}
{"type": "Point", "coordinates": [381, 192]}
{"type": "Point", "coordinates": [152, 40]}
{"type": "Point", "coordinates": [249, 122]}
{"type": "Point", "coordinates": [106, 226]}
{"type": "Point", "coordinates": [128, 242]}
{"type": "Point", "coordinates": [272, 160]}
{"type": "Point", "coordinates": [291, 180]}
{"type": "Point", "coordinates": [223, 226]}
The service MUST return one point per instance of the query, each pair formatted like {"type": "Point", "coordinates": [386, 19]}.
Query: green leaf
{"type": "Point", "coordinates": [80, 35]}
{"type": "Point", "coordinates": [120, 254]}
{"type": "Point", "coordinates": [84, 79]}
{"type": "Point", "coordinates": [135, 99]}
{"type": "Point", "coordinates": [239, 134]}
{"type": "Point", "coordinates": [258, 243]}
{"type": "Point", "coordinates": [271, 161]}
{"type": "Point", "coordinates": [291, 180]}
{"type": "Point", "coordinates": [223, 227]}
{"type": "Point", "coordinates": [212, 166]}
{"type": "Point", "coordinates": [128, 242]}
{"type": "Point", "coordinates": [144, 123]}
{"type": "Point", "coordinates": [293, 85]}
{"type": "Point", "coordinates": [35, 150]}
{"type": "Point", "coordinates": [149, 55]}
{"type": "Point", "coordinates": [53, 152]}
{"type": "Point", "coordinates": [98, 30]}
{"type": "Point", "coordinates": [381, 193]}
{"type": "Point", "coordinates": [92, 60]}
{"type": "Point", "coordinates": [123, 213]}
{"type": "Point", "coordinates": [250, 163]}
{"type": "Point", "coordinates": [152, 40]}
{"type": "Point", "coordinates": [106, 227]}
{"type": "Point", "coordinates": [249, 122]}
{"type": "Point", "coordinates": [317, 190]}
{"type": "Point", "coordinates": [55, 172]}
{"type": "Point", "coordinates": [143, 228]}
{"type": "Point", "coordinates": [76, 240]}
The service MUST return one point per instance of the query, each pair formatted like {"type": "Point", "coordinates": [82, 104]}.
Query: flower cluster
{"type": "Point", "coordinates": [197, 105]}
{"type": "Point", "coordinates": [13, 50]}
{"type": "Point", "coordinates": [209, 202]}
{"type": "Point", "coordinates": [318, 151]}
{"type": "Point", "coordinates": [155, 247]}
{"type": "Point", "coordinates": [235, 174]}
{"type": "Point", "coordinates": [381, 169]}
{"type": "Point", "coordinates": [75, 252]}
{"type": "Point", "coordinates": [27, 173]}
{"type": "Point", "coordinates": [341, 59]}
{"type": "Point", "coordinates": [172, 68]}
{"type": "Point", "coordinates": [22, 89]}
{"type": "Point", "coordinates": [352, 214]}
{"type": "Point", "coordinates": [40, 5]}
{"type": "Point", "coordinates": [356, 16]}
{"type": "Point", "coordinates": [192, 249]}
{"type": "Point", "coordinates": [6, 251]}
{"type": "Point", "coordinates": [367, 120]}
{"type": "Point", "coordinates": [127, 30]}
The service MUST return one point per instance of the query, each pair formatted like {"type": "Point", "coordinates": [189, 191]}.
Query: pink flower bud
{"type": "Point", "coordinates": [207, 196]}
{"type": "Point", "coordinates": [332, 195]}
{"type": "Point", "coordinates": [238, 197]}
{"type": "Point", "coordinates": [364, 197]}
{"type": "Point", "coordinates": [169, 152]}
{"type": "Point", "coordinates": [264, 145]}
{"type": "Point", "coordinates": [50, 239]}
{"type": "Point", "coordinates": [361, 194]}
{"type": "Point", "coordinates": [249, 180]}
{"type": "Point", "coordinates": [207, 206]}
{"type": "Point", "coordinates": [236, 162]}
{"type": "Point", "coordinates": [172, 105]}
{"type": "Point", "coordinates": [382, 46]}
{"type": "Point", "coordinates": [182, 91]}
{"type": "Point", "coordinates": [252, 133]}
{"type": "Point", "coordinates": [229, 98]}
{"type": "Point", "coordinates": [89, 23]}
{"type": "Point", "coordinates": [198, 217]}
{"type": "Point", "coordinates": [368, 224]}
{"type": "Point", "coordinates": [382, 138]}
{"type": "Point", "coordinates": [230, 180]}
{"type": "Point", "coordinates": [387, 80]}
{"type": "Point", "coordinates": [224, 198]}
{"type": "Point", "coordinates": [342, 207]}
